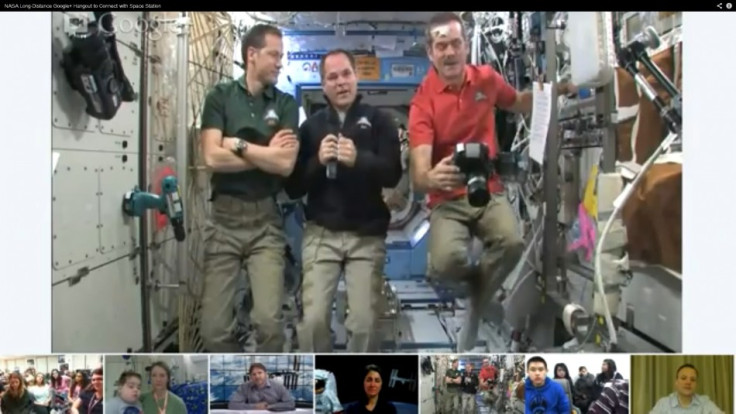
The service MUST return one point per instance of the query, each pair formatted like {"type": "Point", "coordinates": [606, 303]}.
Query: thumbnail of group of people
{"type": "Point", "coordinates": [364, 383]}
{"type": "Point", "coordinates": [576, 384]}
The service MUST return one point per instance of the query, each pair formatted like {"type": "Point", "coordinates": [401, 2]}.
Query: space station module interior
{"type": "Point", "coordinates": [499, 394]}
{"type": "Point", "coordinates": [600, 217]}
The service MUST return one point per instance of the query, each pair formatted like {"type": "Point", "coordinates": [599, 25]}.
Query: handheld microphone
{"type": "Point", "coordinates": [331, 167]}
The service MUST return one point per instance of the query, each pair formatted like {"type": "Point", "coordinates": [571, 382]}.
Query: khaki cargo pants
{"type": "Point", "coordinates": [453, 223]}
{"type": "Point", "coordinates": [468, 403]}
{"type": "Point", "coordinates": [452, 402]}
{"type": "Point", "coordinates": [250, 235]}
{"type": "Point", "coordinates": [325, 255]}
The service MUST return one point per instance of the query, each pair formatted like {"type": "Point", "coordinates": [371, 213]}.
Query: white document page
{"type": "Point", "coordinates": [541, 112]}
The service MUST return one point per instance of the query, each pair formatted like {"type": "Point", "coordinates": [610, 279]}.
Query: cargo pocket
{"type": "Point", "coordinates": [311, 241]}
{"type": "Point", "coordinates": [212, 246]}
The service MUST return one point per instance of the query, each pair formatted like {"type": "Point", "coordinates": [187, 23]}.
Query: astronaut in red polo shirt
{"type": "Point", "coordinates": [455, 104]}
{"type": "Point", "coordinates": [487, 373]}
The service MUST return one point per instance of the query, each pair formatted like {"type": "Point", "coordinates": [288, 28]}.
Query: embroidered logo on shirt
{"type": "Point", "coordinates": [480, 96]}
{"type": "Point", "coordinates": [363, 122]}
{"type": "Point", "coordinates": [271, 118]}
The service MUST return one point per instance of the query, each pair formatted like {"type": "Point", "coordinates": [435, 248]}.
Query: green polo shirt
{"type": "Point", "coordinates": [453, 373]}
{"type": "Point", "coordinates": [230, 108]}
{"type": "Point", "coordinates": [174, 405]}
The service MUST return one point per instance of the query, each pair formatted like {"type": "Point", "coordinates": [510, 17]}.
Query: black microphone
{"type": "Point", "coordinates": [334, 124]}
{"type": "Point", "coordinates": [332, 169]}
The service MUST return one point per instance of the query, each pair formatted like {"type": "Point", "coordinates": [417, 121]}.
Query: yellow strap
{"type": "Point", "coordinates": [590, 199]}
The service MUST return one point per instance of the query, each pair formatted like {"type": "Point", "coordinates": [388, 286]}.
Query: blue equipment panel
{"type": "Point", "coordinates": [419, 257]}
{"type": "Point", "coordinates": [398, 262]}
{"type": "Point", "coordinates": [404, 70]}
{"type": "Point", "coordinates": [407, 259]}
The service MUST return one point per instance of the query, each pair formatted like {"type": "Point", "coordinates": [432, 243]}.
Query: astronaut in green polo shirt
{"type": "Point", "coordinates": [453, 380]}
{"type": "Point", "coordinates": [249, 144]}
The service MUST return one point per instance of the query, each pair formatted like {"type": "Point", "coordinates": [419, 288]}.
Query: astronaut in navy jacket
{"type": "Point", "coordinates": [349, 152]}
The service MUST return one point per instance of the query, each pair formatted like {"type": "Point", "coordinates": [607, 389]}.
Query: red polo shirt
{"type": "Point", "coordinates": [487, 372]}
{"type": "Point", "coordinates": [443, 117]}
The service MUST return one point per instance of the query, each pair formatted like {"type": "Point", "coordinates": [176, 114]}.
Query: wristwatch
{"type": "Point", "coordinates": [240, 146]}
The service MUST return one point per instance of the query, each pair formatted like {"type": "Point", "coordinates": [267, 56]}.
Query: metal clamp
{"type": "Point", "coordinates": [182, 23]}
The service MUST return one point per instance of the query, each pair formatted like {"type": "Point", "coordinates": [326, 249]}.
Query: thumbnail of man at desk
{"type": "Point", "coordinates": [261, 393]}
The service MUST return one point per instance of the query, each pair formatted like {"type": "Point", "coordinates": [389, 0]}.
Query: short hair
{"type": "Point", "coordinates": [536, 359]}
{"type": "Point", "coordinates": [581, 368]}
{"type": "Point", "coordinates": [255, 37]}
{"type": "Point", "coordinates": [256, 365]}
{"type": "Point", "coordinates": [442, 18]}
{"type": "Point", "coordinates": [683, 366]}
{"type": "Point", "coordinates": [335, 52]}
{"type": "Point", "coordinates": [125, 375]}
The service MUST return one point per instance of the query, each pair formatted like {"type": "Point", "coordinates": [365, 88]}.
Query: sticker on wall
{"type": "Point", "coordinates": [310, 67]}
{"type": "Point", "coordinates": [400, 70]}
{"type": "Point", "coordinates": [368, 68]}
{"type": "Point", "coordinates": [303, 71]}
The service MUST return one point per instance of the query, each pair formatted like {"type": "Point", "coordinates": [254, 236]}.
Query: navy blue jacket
{"type": "Point", "coordinates": [354, 200]}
